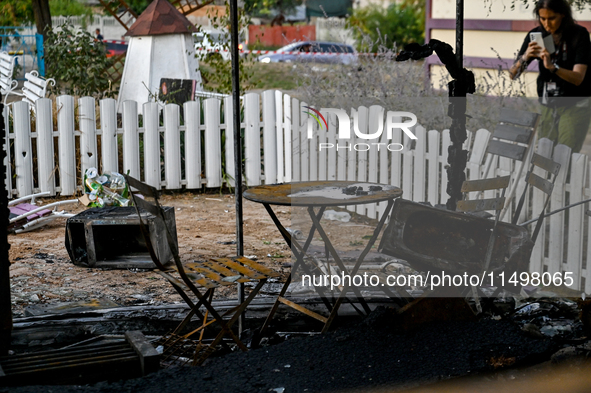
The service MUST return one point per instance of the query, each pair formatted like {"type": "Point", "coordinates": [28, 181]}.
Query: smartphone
{"type": "Point", "coordinates": [537, 38]}
{"type": "Point", "coordinates": [546, 42]}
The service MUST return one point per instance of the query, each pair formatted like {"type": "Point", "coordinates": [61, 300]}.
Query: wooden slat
{"type": "Point", "coordinates": [131, 143]}
{"type": "Point", "coordinates": [199, 268]}
{"type": "Point", "coordinates": [240, 269]}
{"type": "Point", "coordinates": [546, 163]}
{"type": "Point", "coordinates": [34, 89]}
{"type": "Point", "coordinates": [301, 309]}
{"type": "Point", "coordinates": [503, 149]}
{"type": "Point", "coordinates": [513, 133]}
{"type": "Point", "coordinates": [36, 80]}
{"type": "Point", "coordinates": [257, 266]}
{"type": "Point", "coordinates": [172, 147]}
{"type": "Point", "coordinates": [223, 270]}
{"type": "Point", "coordinates": [478, 205]}
{"type": "Point", "coordinates": [526, 119]}
{"type": "Point", "coordinates": [486, 184]}
{"type": "Point", "coordinates": [541, 184]}
{"type": "Point", "coordinates": [252, 140]}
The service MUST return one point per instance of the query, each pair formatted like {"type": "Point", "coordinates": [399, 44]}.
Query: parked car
{"type": "Point", "coordinates": [313, 52]}
{"type": "Point", "coordinates": [216, 43]}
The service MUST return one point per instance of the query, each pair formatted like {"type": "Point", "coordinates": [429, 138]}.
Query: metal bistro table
{"type": "Point", "coordinates": [316, 196]}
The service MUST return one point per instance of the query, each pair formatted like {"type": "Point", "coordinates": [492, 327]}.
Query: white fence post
{"type": "Point", "coordinates": [252, 139]}
{"type": "Point", "coordinates": [172, 147]}
{"type": "Point", "coordinates": [562, 156]}
{"type": "Point", "coordinates": [269, 137]}
{"type": "Point", "coordinates": [229, 144]}
{"type": "Point", "coordinates": [574, 256]}
{"type": "Point", "coordinates": [6, 146]}
{"type": "Point", "coordinates": [87, 121]}
{"type": "Point", "coordinates": [131, 142]}
{"type": "Point", "coordinates": [108, 108]}
{"type": "Point", "coordinates": [45, 158]}
{"type": "Point", "coordinates": [192, 113]}
{"type": "Point", "coordinates": [213, 143]}
{"type": "Point", "coordinates": [22, 148]}
{"type": "Point", "coordinates": [279, 127]}
{"type": "Point", "coordinates": [434, 138]}
{"type": "Point", "coordinates": [151, 145]}
{"type": "Point", "coordinates": [67, 146]}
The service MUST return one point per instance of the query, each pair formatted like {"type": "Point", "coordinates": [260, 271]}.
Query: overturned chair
{"type": "Point", "coordinates": [196, 282]}
{"type": "Point", "coordinates": [435, 240]}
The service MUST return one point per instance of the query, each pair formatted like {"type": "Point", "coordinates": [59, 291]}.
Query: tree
{"type": "Point", "coordinates": [399, 24]}
{"type": "Point", "coordinates": [42, 16]}
{"type": "Point", "coordinates": [15, 12]}
{"type": "Point", "coordinates": [77, 62]}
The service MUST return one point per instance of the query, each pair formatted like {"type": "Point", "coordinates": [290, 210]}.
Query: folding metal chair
{"type": "Point", "coordinates": [513, 139]}
{"type": "Point", "coordinates": [485, 204]}
{"type": "Point", "coordinates": [542, 183]}
{"type": "Point", "coordinates": [190, 279]}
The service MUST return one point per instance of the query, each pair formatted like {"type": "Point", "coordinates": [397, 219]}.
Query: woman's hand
{"type": "Point", "coordinates": [533, 50]}
{"type": "Point", "coordinates": [576, 76]}
{"type": "Point", "coordinates": [545, 55]}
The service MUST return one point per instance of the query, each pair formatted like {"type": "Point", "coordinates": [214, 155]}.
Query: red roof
{"type": "Point", "coordinates": [160, 18]}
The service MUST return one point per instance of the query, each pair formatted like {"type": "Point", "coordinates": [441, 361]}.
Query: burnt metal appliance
{"type": "Point", "coordinates": [432, 239]}
{"type": "Point", "coordinates": [112, 238]}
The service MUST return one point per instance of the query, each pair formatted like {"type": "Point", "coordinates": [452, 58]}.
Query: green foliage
{"type": "Point", "coordinates": [77, 62]}
{"type": "Point", "coordinates": [266, 7]}
{"type": "Point", "coordinates": [69, 8]}
{"type": "Point", "coordinates": [399, 24]}
{"type": "Point", "coordinates": [218, 73]}
{"type": "Point", "coordinates": [16, 12]}
{"type": "Point", "coordinates": [139, 6]}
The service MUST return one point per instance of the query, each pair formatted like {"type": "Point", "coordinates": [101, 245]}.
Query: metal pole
{"type": "Point", "coordinates": [457, 157]}
{"type": "Point", "coordinates": [460, 33]}
{"type": "Point", "coordinates": [5, 304]}
{"type": "Point", "coordinates": [237, 144]}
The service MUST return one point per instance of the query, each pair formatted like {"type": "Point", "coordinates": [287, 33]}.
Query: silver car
{"type": "Point", "coordinates": [313, 52]}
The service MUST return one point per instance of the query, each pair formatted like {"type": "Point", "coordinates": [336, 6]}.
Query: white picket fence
{"type": "Point", "coordinates": [173, 153]}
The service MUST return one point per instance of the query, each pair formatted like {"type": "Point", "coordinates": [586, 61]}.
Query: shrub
{"type": "Point", "coordinates": [77, 62]}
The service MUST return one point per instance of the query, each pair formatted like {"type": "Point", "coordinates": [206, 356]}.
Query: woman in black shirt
{"type": "Point", "coordinates": [564, 85]}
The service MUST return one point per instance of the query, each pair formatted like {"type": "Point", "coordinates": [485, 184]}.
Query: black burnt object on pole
{"type": "Point", "coordinates": [237, 143]}
{"type": "Point", "coordinates": [462, 84]}
{"type": "Point", "coordinates": [5, 306]}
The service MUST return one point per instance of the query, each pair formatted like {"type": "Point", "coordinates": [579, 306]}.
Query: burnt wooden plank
{"type": "Point", "coordinates": [149, 357]}
{"type": "Point", "coordinates": [546, 163]}
{"type": "Point", "coordinates": [513, 133]}
{"type": "Point", "coordinates": [486, 184]}
{"type": "Point", "coordinates": [527, 119]}
{"type": "Point", "coordinates": [477, 205]}
{"type": "Point", "coordinates": [541, 184]}
{"type": "Point", "coordinates": [509, 150]}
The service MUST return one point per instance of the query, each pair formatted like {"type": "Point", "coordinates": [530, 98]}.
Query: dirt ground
{"type": "Point", "coordinates": [42, 273]}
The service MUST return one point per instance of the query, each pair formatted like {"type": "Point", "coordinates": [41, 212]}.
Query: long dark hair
{"type": "Point", "coordinates": [559, 7]}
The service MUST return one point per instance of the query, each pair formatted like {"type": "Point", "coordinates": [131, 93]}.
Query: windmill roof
{"type": "Point", "coordinates": [160, 18]}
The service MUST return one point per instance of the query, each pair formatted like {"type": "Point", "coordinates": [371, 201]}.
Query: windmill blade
{"type": "Point", "coordinates": [188, 6]}
{"type": "Point", "coordinates": [120, 11]}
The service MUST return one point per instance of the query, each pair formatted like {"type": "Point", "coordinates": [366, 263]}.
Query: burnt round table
{"type": "Point", "coordinates": [316, 196]}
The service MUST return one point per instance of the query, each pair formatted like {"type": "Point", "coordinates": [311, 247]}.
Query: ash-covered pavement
{"type": "Point", "coordinates": [368, 355]}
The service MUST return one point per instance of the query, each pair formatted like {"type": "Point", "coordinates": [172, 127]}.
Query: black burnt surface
{"type": "Point", "coordinates": [368, 355]}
